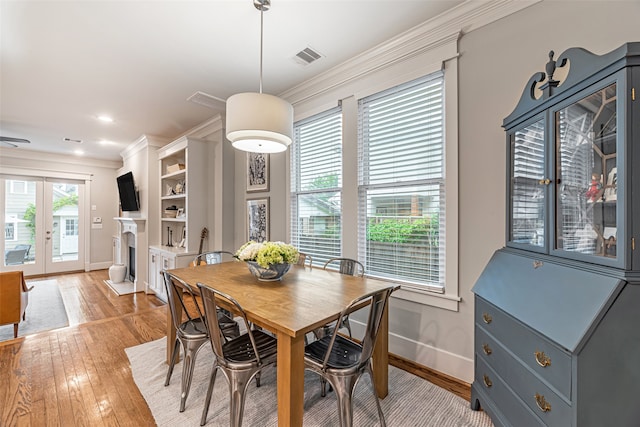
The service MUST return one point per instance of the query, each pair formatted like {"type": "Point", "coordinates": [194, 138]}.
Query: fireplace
{"type": "Point", "coordinates": [132, 236]}
{"type": "Point", "coordinates": [132, 264]}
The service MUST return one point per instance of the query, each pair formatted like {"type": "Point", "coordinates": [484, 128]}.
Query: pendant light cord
{"type": "Point", "coordinates": [261, 37]}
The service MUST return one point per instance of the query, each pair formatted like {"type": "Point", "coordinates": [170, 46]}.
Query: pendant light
{"type": "Point", "coordinates": [258, 122]}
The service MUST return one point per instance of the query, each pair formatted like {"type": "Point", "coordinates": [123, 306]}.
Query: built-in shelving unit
{"type": "Point", "coordinates": [183, 208]}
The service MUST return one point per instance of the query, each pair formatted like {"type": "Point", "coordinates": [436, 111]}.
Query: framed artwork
{"type": "Point", "coordinates": [258, 219]}
{"type": "Point", "coordinates": [257, 172]}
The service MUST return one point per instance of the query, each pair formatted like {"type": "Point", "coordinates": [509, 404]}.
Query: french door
{"type": "Point", "coordinates": [44, 224]}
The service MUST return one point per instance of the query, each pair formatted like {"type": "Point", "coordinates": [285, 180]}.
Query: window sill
{"type": "Point", "coordinates": [424, 297]}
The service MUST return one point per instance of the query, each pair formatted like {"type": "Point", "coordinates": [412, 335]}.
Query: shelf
{"type": "Point", "coordinates": [174, 175]}
{"type": "Point", "coordinates": [173, 219]}
{"type": "Point", "coordinates": [174, 196]}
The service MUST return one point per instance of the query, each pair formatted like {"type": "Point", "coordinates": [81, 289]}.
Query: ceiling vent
{"type": "Point", "coordinates": [75, 141]}
{"type": "Point", "coordinates": [306, 56]}
{"type": "Point", "coordinates": [207, 100]}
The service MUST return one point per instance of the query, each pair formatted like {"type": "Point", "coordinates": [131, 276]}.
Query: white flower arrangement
{"type": "Point", "coordinates": [268, 253]}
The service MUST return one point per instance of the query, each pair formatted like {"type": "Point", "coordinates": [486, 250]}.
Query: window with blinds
{"type": "Point", "coordinates": [401, 182]}
{"type": "Point", "coordinates": [316, 184]}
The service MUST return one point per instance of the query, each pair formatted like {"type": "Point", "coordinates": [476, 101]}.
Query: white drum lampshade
{"type": "Point", "coordinates": [259, 123]}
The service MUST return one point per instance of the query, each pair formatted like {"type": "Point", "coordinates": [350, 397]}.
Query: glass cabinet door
{"type": "Point", "coordinates": [528, 186]}
{"type": "Point", "coordinates": [586, 175]}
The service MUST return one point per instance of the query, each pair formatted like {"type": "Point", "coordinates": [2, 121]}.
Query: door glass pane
{"type": "Point", "coordinates": [19, 222]}
{"type": "Point", "coordinates": [587, 175]}
{"type": "Point", "coordinates": [528, 189]}
{"type": "Point", "coordinates": [64, 234]}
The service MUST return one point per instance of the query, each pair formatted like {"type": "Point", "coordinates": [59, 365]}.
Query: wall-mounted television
{"type": "Point", "coordinates": [128, 194]}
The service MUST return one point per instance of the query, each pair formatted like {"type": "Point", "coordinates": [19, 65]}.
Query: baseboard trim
{"type": "Point", "coordinates": [447, 382]}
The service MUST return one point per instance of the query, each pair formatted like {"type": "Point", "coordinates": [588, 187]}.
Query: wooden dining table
{"type": "Point", "coordinates": [303, 300]}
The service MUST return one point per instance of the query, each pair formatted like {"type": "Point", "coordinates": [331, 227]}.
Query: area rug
{"type": "Point", "coordinates": [45, 311]}
{"type": "Point", "coordinates": [123, 288]}
{"type": "Point", "coordinates": [412, 401]}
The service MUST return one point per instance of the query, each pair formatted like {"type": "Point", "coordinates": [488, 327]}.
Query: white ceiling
{"type": "Point", "coordinates": [63, 63]}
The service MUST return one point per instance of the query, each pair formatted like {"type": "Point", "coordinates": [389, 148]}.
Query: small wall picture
{"type": "Point", "coordinates": [257, 172]}
{"type": "Point", "coordinates": [258, 219]}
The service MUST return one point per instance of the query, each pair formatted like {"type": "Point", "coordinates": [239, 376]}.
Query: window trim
{"type": "Point", "coordinates": [13, 189]}
{"type": "Point", "coordinates": [440, 56]}
{"type": "Point", "coordinates": [295, 192]}
{"type": "Point", "coordinates": [447, 296]}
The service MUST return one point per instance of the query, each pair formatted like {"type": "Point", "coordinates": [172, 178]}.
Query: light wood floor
{"type": "Point", "coordinates": [80, 375]}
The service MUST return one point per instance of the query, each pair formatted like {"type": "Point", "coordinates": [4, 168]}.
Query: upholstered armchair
{"type": "Point", "coordinates": [14, 297]}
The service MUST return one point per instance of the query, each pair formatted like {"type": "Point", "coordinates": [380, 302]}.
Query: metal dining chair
{"type": "Point", "coordinates": [212, 257]}
{"type": "Point", "coordinates": [348, 266]}
{"type": "Point", "coordinates": [191, 333]}
{"type": "Point", "coordinates": [304, 259]}
{"type": "Point", "coordinates": [342, 361]}
{"type": "Point", "coordinates": [240, 359]}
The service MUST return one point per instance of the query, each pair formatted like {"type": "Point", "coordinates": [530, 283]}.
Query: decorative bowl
{"type": "Point", "coordinates": [273, 273]}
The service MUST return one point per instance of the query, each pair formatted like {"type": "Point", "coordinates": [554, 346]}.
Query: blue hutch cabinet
{"type": "Point", "coordinates": [557, 310]}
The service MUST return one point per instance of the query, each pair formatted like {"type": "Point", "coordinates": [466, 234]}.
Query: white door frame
{"type": "Point", "coordinates": [84, 212]}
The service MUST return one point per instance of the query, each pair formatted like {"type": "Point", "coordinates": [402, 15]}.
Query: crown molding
{"type": "Point", "coordinates": [43, 156]}
{"type": "Point", "coordinates": [141, 143]}
{"type": "Point", "coordinates": [441, 30]}
{"type": "Point", "coordinates": [204, 129]}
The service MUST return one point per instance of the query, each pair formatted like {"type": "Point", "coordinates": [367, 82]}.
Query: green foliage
{"type": "Point", "coordinates": [325, 181]}
{"type": "Point", "coordinates": [30, 212]}
{"type": "Point", "coordinates": [404, 230]}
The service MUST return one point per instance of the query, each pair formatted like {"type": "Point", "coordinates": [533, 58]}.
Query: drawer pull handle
{"type": "Point", "coordinates": [487, 381]}
{"type": "Point", "coordinates": [542, 403]}
{"type": "Point", "coordinates": [487, 350]}
{"type": "Point", "coordinates": [487, 318]}
{"type": "Point", "coordinates": [542, 359]}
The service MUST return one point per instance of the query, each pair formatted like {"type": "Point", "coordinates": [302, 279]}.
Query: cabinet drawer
{"type": "Point", "coordinates": [546, 359]}
{"type": "Point", "coordinates": [511, 407]}
{"type": "Point", "coordinates": [542, 401]}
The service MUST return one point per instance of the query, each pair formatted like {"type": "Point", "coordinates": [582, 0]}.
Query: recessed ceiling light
{"type": "Point", "coordinates": [105, 119]}
{"type": "Point", "coordinates": [78, 152]}
{"type": "Point", "coordinates": [105, 142]}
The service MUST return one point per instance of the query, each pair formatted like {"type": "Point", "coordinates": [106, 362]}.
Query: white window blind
{"type": "Point", "coordinates": [401, 182]}
{"type": "Point", "coordinates": [316, 184]}
{"type": "Point", "coordinates": [527, 196]}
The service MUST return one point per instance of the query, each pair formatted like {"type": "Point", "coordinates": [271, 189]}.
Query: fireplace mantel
{"type": "Point", "coordinates": [131, 231]}
{"type": "Point", "coordinates": [123, 220]}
